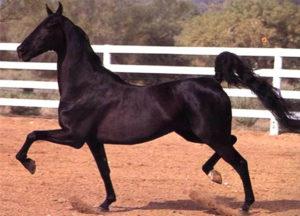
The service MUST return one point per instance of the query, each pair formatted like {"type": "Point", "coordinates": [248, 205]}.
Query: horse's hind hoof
{"type": "Point", "coordinates": [29, 164]}
{"type": "Point", "coordinates": [244, 212]}
{"type": "Point", "coordinates": [215, 176]}
{"type": "Point", "coordinates": [103, 209]}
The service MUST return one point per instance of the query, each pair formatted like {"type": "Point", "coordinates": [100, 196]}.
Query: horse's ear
{"type": "Point", "coordinates": [59, 9]}
{"type": "Point", "coordinates": [49, 11]}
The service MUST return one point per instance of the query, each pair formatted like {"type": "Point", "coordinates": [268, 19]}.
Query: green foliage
{"type": "Point", "coordinates": [135, 22]}
{"type": "Point", "coordinates": [237, 23]}
{"type": "Point", "coordinates": [16, 18]}
{"type": "Point", "coordinates": [106, 22]}
{"type": "Point", "coordinates": [251, 23]}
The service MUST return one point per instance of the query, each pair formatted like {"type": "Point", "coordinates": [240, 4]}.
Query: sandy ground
{"type": "Point", "coordinates": [154, 178]}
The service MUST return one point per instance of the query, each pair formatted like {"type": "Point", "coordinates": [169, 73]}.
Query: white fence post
{"type": "Point", "coordinates": [274, 126]}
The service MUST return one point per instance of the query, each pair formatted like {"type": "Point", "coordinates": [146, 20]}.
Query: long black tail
{"type": "Point", "coordinates": [231, 68]}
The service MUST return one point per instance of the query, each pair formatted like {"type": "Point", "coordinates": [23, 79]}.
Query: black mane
{"type": "Point", "coordinates": [83, 42]}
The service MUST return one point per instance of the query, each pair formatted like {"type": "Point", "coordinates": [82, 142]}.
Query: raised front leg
{"type": "Point", "coordinates": [99, 154]}
{"type": "Point", "coordinates": [55, 136]}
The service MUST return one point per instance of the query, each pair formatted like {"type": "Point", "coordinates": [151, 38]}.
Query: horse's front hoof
{"type": "Point", "coordinates": [215, 176]}
{"type": "Point", "coordinates": [104, 207]}
{"type": "Point", "coordinates": [245, 209]}
{"type": "Point", "coordinates": [29, 164]}
{"type": "Point", "coordinates": [243, 212]}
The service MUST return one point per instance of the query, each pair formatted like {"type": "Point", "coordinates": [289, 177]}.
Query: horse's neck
{"type": "Point", "coordinates": [76, 61]}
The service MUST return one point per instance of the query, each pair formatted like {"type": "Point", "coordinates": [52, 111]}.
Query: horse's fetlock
{"type": "Point", "coordinates": [21, 156]}
{"type": "Point", "coordinates": [250, 200]}
{"type": "Point", "coordinates": [112, 199]}
{"type": "Point", "coordinates": [206, 169]}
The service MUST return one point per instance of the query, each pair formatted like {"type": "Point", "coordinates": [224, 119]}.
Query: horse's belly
{"type": "Point", "coordinates": [132, 131]}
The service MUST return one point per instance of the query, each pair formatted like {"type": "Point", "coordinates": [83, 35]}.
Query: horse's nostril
{"type": "Point", "coordinates": [20, 48]}
{"type": "Point", "coordinates": [20, 51]}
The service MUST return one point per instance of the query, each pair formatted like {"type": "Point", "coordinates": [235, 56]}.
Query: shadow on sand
{"type": "Point", "coordinates": [175, 205]}
{"type": "Point", "coordinates": [268, 206]}
{"type": "Point", "coordinates": [271, 206]}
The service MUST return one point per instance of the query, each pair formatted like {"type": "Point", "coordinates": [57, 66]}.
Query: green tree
{"type": "Point", "coordinates": [251, 23]}
{"type": "Point", "coordinates": [16, 17]}
{"type": "Point", "coordinates": [137, 22]}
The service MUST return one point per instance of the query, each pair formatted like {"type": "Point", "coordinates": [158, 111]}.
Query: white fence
{"type": "Point", "coordinates": [276, 73]}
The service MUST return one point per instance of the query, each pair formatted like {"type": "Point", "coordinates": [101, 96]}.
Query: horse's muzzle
{"type": "Point", "coordinates": [22, 53]}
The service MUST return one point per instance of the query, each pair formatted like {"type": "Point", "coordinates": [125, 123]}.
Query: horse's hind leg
{"type": "Point", "coordinates": [231, 156]}
{"type": "Point", "coordinates": [99, 154]}
{"type": "Point", "coordinates": [208, 167]}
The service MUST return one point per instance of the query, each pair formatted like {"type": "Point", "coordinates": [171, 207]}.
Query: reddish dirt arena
{"type": "Point", "coordinates": [157, 178]}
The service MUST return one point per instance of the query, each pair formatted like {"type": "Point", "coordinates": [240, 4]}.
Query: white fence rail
{"type": "Point", "coordinates": [276, 73]}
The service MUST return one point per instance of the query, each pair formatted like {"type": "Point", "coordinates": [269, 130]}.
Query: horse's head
{"type": "Point", "coordinates": [44, 36]}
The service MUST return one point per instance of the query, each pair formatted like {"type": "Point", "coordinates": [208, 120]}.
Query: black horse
{"type": "Point", "coordinates": [97, 106]}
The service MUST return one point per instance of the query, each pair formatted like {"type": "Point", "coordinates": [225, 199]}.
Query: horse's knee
{"type": "Point", "coordinates": [31, 136]}
{"type": "Point", "coordinates": [37, 135]}
{"type": "Point", "coordinates": [22, 154]}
